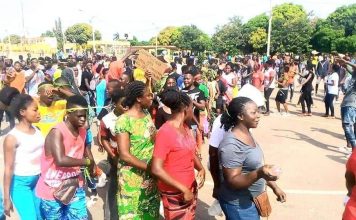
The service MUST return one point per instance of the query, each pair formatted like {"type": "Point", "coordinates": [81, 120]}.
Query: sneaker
{"type": "Point", "coordinates": [285, 114]}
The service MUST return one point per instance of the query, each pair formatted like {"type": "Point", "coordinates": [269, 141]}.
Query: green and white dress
{"type": "Point", "coordinates": [137, 196]}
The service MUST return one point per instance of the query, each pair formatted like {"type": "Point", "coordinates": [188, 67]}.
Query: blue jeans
{"type": "Point", "coordinates": [329, 104]}
{"type": "Point", "coordinates": [348, 118]}
{"type": "Point", "coordinates": [75, 210]}
{"type": "Point", "coordinates": [23, 195]}
{"type": "Point", "coordinates": [246, 211]}
{"type": "Point", "coordinates": [1, 206]}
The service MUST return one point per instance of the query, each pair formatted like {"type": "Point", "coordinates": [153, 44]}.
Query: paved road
{"type": "Point", "coordinates": [313, 168]}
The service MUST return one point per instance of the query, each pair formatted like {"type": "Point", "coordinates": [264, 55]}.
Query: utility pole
{"type": "Point", "coordinates": [23, 22]}
{"type": "Point", "coordinates": [269, 30]}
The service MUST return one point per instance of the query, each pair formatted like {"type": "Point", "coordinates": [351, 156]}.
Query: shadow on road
{"type": "Point", "coordinates": [306, 138]}
{"type": "Point", "coordinates": [339, 159]}
{"type": "Point", "coordinates": [324, 131]}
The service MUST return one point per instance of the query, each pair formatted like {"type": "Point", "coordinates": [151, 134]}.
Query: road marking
{"type": "Point", "coordinates": [304, 192]}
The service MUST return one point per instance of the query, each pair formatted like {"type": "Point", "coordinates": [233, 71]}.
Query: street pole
{"type": "Point", "coordinates": [269, 30]}
{"type": "Point", "coordinates": [23, 22]}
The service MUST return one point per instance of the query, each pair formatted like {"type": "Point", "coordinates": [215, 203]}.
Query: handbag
{"type": "Point", "coordinates": [66, 191]}
{"type": "Point", "coordinates": [262, 204]}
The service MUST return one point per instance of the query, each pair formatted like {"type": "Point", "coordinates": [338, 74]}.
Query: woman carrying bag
{"type": "Point", "coordinates": [242, 194]}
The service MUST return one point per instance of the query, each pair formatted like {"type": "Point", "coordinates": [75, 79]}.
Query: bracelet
{"type": "Point", "coordinates": [87, 162]}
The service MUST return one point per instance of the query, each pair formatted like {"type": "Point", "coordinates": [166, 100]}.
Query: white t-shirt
{"type": "Point", "coordinates": [268, 74]}
{"type": "Point", "coordinates": [217, 133]}
{"type": "Point", "coordinates": [335, 88]}
{"type": "Point", "coordinates": [32, 85]}
{"type": "Point", "coordinates": [28, 152]}
{"type": "Point", "coordinates": [229, 77]}
{"type": "Point", "coordinates": [110, 122]}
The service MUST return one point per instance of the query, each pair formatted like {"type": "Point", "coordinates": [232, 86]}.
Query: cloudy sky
{"type": "Point", "coordinates": [141, 18]}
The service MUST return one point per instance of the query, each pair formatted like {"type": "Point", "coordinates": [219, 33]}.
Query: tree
{"type": "Point", "coordinates": [346, 44]}
{"type": "Point", "coordinates": [192, 38]}
{"type": "Point", "coordinates": [332, 32]}
{"type": "Point", "coordinates": [229, 37]}
{"type": "Point", "coordinates": [136, 42]}
{"type": "Point", "coordinates": [48, 33]}
{"type": "Point", "coordinates": [344, 17]}
{"type": "Point", "coordinates": [324, 37]}
{"type": "Point", "coordinates": [14, 39]}
{"type": "Point", "coordinates": [291, 29]}
{"type": "Point", "coordinates": [258, 22]}
{"type": "Point", "coordinates": [116, 36]}
{"type": "Point", "coordinates": [81, 33]}
{"type": "Point", "coordinates": [168, 36]}
{"type": "Point", "coordinates": [258, 39]}
{"type": "Point", "coordinates": [58, 33]}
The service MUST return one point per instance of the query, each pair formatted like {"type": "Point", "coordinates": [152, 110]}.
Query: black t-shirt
{"type": "Point", "coordinates": [161, 117]}
{"type": "Point", "coordinates": [196, 95]}
{"type": "Point", "coordinates": [85, 75]}
{"type": "Point", "coordinates": [308, 87]}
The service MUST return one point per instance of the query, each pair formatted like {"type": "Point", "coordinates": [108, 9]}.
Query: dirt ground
{"type": "Point", "coordinates": [307, 150]}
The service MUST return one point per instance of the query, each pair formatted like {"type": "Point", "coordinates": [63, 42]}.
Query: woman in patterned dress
{"type": "Point", "coordinates": [137, 195]}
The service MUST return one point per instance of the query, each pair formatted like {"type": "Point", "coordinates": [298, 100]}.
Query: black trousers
{"type": "Point", "coordinates": [267, 94]}
{"type": "Point", "coordinates": [306, 99]}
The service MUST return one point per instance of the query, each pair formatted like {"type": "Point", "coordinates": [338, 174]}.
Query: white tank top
{"type": "Point", "coordinates": [28, 152]}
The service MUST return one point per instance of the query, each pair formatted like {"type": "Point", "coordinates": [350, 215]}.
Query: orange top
{"type": "Point", "coordinates": [18, 82]}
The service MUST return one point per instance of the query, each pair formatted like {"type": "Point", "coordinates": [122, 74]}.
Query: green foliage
{"type": "Point", "coordinates": [14, 39]}
{"type": "Point", "coordinates": [192, 38]}
{"type": "Point", "coordinates": [258, 39]}
{"type": "Point", "coordinates": [336, 32]}
{"type": "Point", "coordinates": [291, 29]}
{"type": "Point", "coordinates": [81, 33]}
{"type": "Point", "coordinates": [169, 36]}
{"type": "Point", "coordinates": [229, 37]}
{"type": "Point", "coordinates": [257, 22]}
{"type": "Point", "coordinates": [344, 17]}
{"type": "Point", "coordinates": [346, 44]}
{"type": "Point", "coordinates": [136, 42]}
{"type": "Point", "coordinates": [116, 36]}
{"type": "Point", "coordinates": [324, 39]}
{"type": "Point", "coordinates": [48, 33]}
{"type": "Point", "coordinates": [58, 33]}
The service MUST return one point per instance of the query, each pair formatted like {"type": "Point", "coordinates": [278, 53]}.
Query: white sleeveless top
{"type": "Point", "coordinates": [28, 152]}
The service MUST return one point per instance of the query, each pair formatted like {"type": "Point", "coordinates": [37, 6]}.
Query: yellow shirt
{"type": "Point", "coordinates": [51, 116]}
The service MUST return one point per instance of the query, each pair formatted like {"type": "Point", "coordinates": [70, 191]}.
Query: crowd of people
{"type": "Point", "coordinates": [153, 132]}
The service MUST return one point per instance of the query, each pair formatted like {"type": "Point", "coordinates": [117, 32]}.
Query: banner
{"type": "Point", "coordinates": [148, 62]}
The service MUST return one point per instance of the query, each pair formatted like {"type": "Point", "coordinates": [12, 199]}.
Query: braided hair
{"type": "Point", "coordinates": [175, 100]}
{"type": "Point", "coordinates": [133, 91]}
{"type": "Point", "coordinates": [20, 102]}
{"type": "Point", "coordinates": [236, 108]}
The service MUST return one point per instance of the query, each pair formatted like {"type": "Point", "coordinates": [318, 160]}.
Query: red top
{"type": "Point", "coordinates": [177, 151]}
{"type": "Point", "coordinates": [52, 175]}
{"type": "Point", "coordinates": [257, 80]}
{"type": "Point", "coordinates": [350, 208]}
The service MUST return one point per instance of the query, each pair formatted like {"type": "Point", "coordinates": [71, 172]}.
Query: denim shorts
{"type": "Point", "coordinates": [348, 115]}
{"type": "Point", "coordinates": [247, 211]}
{"type": "Point", "coordinates": [75, 210]}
